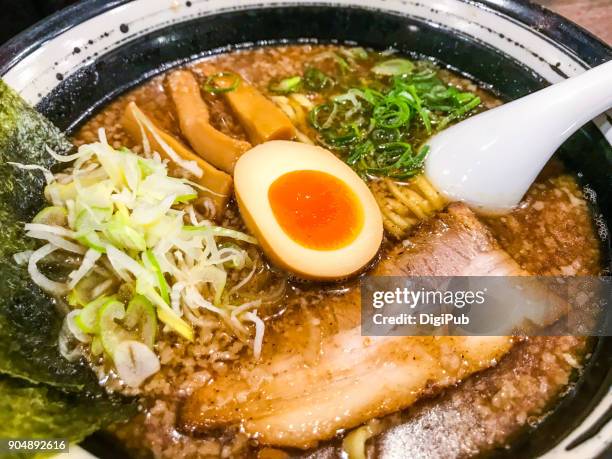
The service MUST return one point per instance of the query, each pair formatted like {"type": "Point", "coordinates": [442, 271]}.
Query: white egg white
{"type": "Point", "coordinates": [258, 168]}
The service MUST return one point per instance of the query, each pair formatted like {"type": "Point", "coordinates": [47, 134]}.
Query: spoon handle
{"type": "Point", "coordinates": [491, 159]}
{"type": "Point", "coordinates": [577, 99]}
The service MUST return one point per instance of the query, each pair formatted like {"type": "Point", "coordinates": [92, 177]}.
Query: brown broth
{"type": "Point", "coordinates": [551, 233]}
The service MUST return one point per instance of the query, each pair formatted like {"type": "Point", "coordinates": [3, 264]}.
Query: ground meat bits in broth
{"type": "Point", "coordinates": [551, 233]}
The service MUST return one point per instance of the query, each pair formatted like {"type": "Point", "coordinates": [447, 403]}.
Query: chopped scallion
{"type": "Point", "coordinates": [221, 82]}
{"type": "Point", "coordinates": [316, 80]}
{"type": "Point", "coordinates": [397, 66]}
{"type": "Point", "coordinates": [377, 127]}
{"type": "Point", "coordinates": [286, 85]}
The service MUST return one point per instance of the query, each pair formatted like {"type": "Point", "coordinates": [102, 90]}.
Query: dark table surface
{"type": "Point", "coordinates": [16, 15]}
{"type": "Point", "coordinates": [593, 15]}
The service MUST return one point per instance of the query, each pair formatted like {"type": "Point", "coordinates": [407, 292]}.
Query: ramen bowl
{"type": "Point", "coordinates": [73, 63]}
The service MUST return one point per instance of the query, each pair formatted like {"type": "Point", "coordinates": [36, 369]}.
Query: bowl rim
{"type": "Point", "coordinates": [571, 38]}
{"type": "Point", "coordinates": [536, 17]}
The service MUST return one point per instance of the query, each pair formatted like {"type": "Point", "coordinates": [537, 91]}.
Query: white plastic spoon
{"type": "Point", "coordinates": [490, 160]}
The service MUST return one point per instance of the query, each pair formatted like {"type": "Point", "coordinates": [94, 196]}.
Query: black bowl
{"type": "Point", "coordinates": [72, 63]}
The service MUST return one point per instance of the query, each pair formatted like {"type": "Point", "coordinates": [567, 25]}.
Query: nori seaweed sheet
{"type": "Point", "coordinates": [41, 387]}
{"type": "Point", "coordinates": [29, 321]}
{"type": "Point", "coordinates": [41, 411]}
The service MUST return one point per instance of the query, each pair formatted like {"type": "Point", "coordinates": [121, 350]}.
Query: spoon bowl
{"type": "Point", "coordinates": [489, 160]}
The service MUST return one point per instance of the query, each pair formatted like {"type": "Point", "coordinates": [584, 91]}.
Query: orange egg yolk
{"type": "Point", "coordinates": [316, 209]}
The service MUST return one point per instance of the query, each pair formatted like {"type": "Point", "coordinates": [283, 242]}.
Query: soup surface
{"type": "Point", "coordinates": [551, 232]}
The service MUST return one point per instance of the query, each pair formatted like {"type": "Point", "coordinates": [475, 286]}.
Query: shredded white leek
{"type": "Point", "coordinates": [203, 188]}
{"type": "Point", "coordinates": [60, 231]}
{"type": "Point", "coordinates": [190, 166]}
{"type": "Point", "coordinates": [73, 327]}
{"type": "Point", "coordinates": [244, 281]}
{"type": "Point", "coordinates": [259, 332]}
{"type": "Point", "coordinates": [175, 297]}
{"type": "Point", "coordinates": [238, 310]}
{"type": "Point", "coordinates": [303, 100]}
{"type": "Point", "coordinates": [89, 261]}
{"type": "Point", "coordinates": [67, 344]}
{"type": "Point", "coordinates": [300, 136]}
{"type": "Point", "coordinates": [135, 362]}
{"type": "Point", "coordinates": [57, 241]}
{"type": "Point", "coordinates": [66, 158]}
{"type": "Point", "coordinates": [124, 265]}
{"type": "Point", "coordinates": [102, 288]}
{"type": "Point", "coordinates": [21, 258]}
{"type": "Point", "coordinates": [49, 177]}
{"type": "Point", "coordinates": [124, 217]}
{"type": "Point", "coordinates": [56, 288]}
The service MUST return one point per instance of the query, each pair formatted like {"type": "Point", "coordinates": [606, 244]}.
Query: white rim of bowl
{"type": "Point", "coordinates": [36, 75]}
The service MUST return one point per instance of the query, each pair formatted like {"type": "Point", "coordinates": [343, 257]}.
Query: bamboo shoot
{"type": "Point", "coordinates": [214, 146]}
{"type": "Point", "coordinates": [217, 182]}
{"type": "Point", "coordinates": [260, 117]}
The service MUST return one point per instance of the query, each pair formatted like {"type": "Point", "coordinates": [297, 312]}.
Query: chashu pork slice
{"type": "Point", "coordinates": [292, 399]}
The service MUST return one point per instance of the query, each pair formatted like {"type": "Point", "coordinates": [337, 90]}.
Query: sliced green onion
{"type": "Point", "coordinates": [80, 295]}
{"type": "Point", "coordinates": [185, 198]}
{"type": "Point", "coordinates": [222, 82]}
{"type": "Point", "coordinates": [224, 232]}
{"type": "Point", "coordinates": [52, 215]}
{"type": "Point", "coordinates": [346, 136]}
{"type": "Point", "coordinates": [458, 113]}
{"type": "Point", "coordinates": [92, 240]}
{"type": "Point", "coordinates": [464, 97]}
{"type": "Point", "coordinates": [60, 193]}
{"type": "Point", "coordinates": [380, 135]}
{"type": "Point", "coordinates": [343, 65]}
{"type": "Point", "coordinates": [316, 80]}
{"type": "Point", "coordinates": [359, 152]}
{"type": "Point", "coordinates": [315, 115]}
{"type": "Point", "coordinates": [356, 53]}
{"type": "Point", "coordinates": [87, 320]}
{"type": "Point", "coordinates": [286, 86]}
{"type": "Point", "coordinates": [375, 125]}
{"type": "Point", "coordinates": [397, 66]}
{"type": "Point", "coordinates": [122, 205]}
{"type": "Point", "coordinates": [111, 333]}
{"type": "Point", "coordinates": [135, 362]}
{"type": "Point", "coordinates": [164, 311]}
{"type": "Point", "coordinates": [164, 289]}
{"type": "Point", "coordinates": [140, 316]}
{"type": "Point", "coordinates": [123, 236]}
{"type": "Point", "coordinates": [392, 113]}
{"type": "Point", "coordinates": [419, 108]}
{"type": "Point", "coordinates": [96, 346]}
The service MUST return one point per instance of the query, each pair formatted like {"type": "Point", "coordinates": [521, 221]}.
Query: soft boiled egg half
{"type": "Point", "coordinates": [311, 212]}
